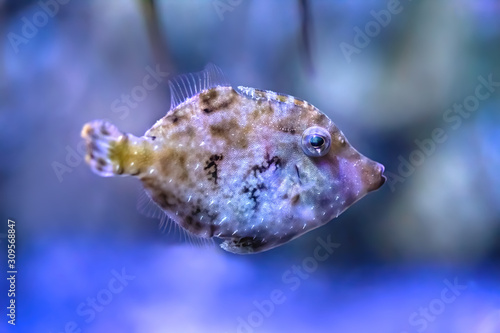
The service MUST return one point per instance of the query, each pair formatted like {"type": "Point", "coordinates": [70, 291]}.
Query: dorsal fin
{"type": "Point", "coordinates": [185, 86]}
{"type": "Point", "coordinates": [268, 95]}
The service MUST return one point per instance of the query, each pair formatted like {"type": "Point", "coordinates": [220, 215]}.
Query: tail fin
{"type": "Point", "coordinates": [111, 152]}
{"type": "Point", "coordinates": [100, 136]}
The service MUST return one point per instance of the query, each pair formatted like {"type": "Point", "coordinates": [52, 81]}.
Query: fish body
{"type": "Point", "coordinates": [251, 167]}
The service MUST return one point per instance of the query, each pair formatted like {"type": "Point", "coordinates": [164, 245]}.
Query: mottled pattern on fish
{"type": "Point", "coordinates": [230, 163]}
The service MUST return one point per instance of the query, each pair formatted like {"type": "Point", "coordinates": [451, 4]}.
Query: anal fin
{"type": "Point", "coordinates": [147, 207]}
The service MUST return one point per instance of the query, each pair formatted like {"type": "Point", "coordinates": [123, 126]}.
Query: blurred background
{"type": "Point", "coordinates": [414, 85]}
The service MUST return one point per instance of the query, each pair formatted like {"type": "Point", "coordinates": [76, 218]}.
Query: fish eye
{"type": "Point", "coordinates": [316, 141]}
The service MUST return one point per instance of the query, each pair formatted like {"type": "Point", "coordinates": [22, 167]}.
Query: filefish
{"type": "Point", "coordinates": [252, 168]}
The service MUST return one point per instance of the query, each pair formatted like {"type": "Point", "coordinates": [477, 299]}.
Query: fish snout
{"type": "Point", "coordinates": [374, 176]}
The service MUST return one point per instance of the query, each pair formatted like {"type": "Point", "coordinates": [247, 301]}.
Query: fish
{"type": "Point", "coordinates": [253, 169]}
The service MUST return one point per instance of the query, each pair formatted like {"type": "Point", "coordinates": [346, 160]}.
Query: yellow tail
{"type": "Point", "coordinates": [111, 152]}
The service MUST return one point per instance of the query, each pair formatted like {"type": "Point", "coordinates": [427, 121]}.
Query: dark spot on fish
{"type": "Point", "coordinates": [253, 243]}
{"type": "Point", "coordinates": [190, 131]}
{"type": "Point", "coordinates": [225, 127]}
{"type": "Point", "coordinates": [188, 220]}
{"type": "Point", "coordinates": [227, 103]}
{"type": "Point", "coordinates": [182, 162]}
{"type": "Point", "coordinates": [162, 200]}
{"type": "Point", "coordinates": [217, 99]}
{"type": "Point", "coordinates": [298, 173]}
{"type": "Point", "coordinates": [104, 130]}
{"type": "Point", "coordinates": [252, 193]}
{"type": "Point", "coordinates": [218, 130]}
{"type": "Point", "coordinates": [265, 107]}
{"type": "Point", "coordinates": [153, 138]}
{"type": "Point", "coordinates": [242, 142]}
{"type": "Point", "coordinates": [320, 119]}
{"type": "Point", "coordinates": [175, 117]}
{"type": "Point", "coordinates": [209, 95]}
{"type": "Point", "coordinates": [172, 163]}
{"type": "Point", "coordinates": [275, 160]}
{"type": "Point", "coordinates": [192, 224]}
{"type": "Point", "coordinates": [101, 162]}
{"type": "Point", "coordinates": [212, 229]}
{"type": "Point", "coordinates": [230, 131]}
{"type": "Point", "coordinates": [196, 211]}
{"type": "Point", "coordinates": [165, 200]}
{"type": "Point", "coordinates": [148, 182]}
{"type": "Point", "coordinates": [295, 199]}
{"type": "Point", "coordinates": [244, 242]}
{"type": "Point", "coordinates": [212, 166]}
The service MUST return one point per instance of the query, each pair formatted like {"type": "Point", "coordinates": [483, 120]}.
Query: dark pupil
{"type": "Point", "coordinates": [317, 141]}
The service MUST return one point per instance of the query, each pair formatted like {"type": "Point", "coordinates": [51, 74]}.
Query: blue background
{"type": "Point", "coordinates": [433, 224]}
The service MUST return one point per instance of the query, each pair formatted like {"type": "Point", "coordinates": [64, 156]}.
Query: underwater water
{"type": "Point", "coordinates": [415, 85]}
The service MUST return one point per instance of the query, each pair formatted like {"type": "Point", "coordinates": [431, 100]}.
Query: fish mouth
{"type": "Point", "coordinates": [379, 172]}
{"type": "Point", "coordinates": [383, 179]}
{"type": "Point", "coordinates": [372, 175]}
